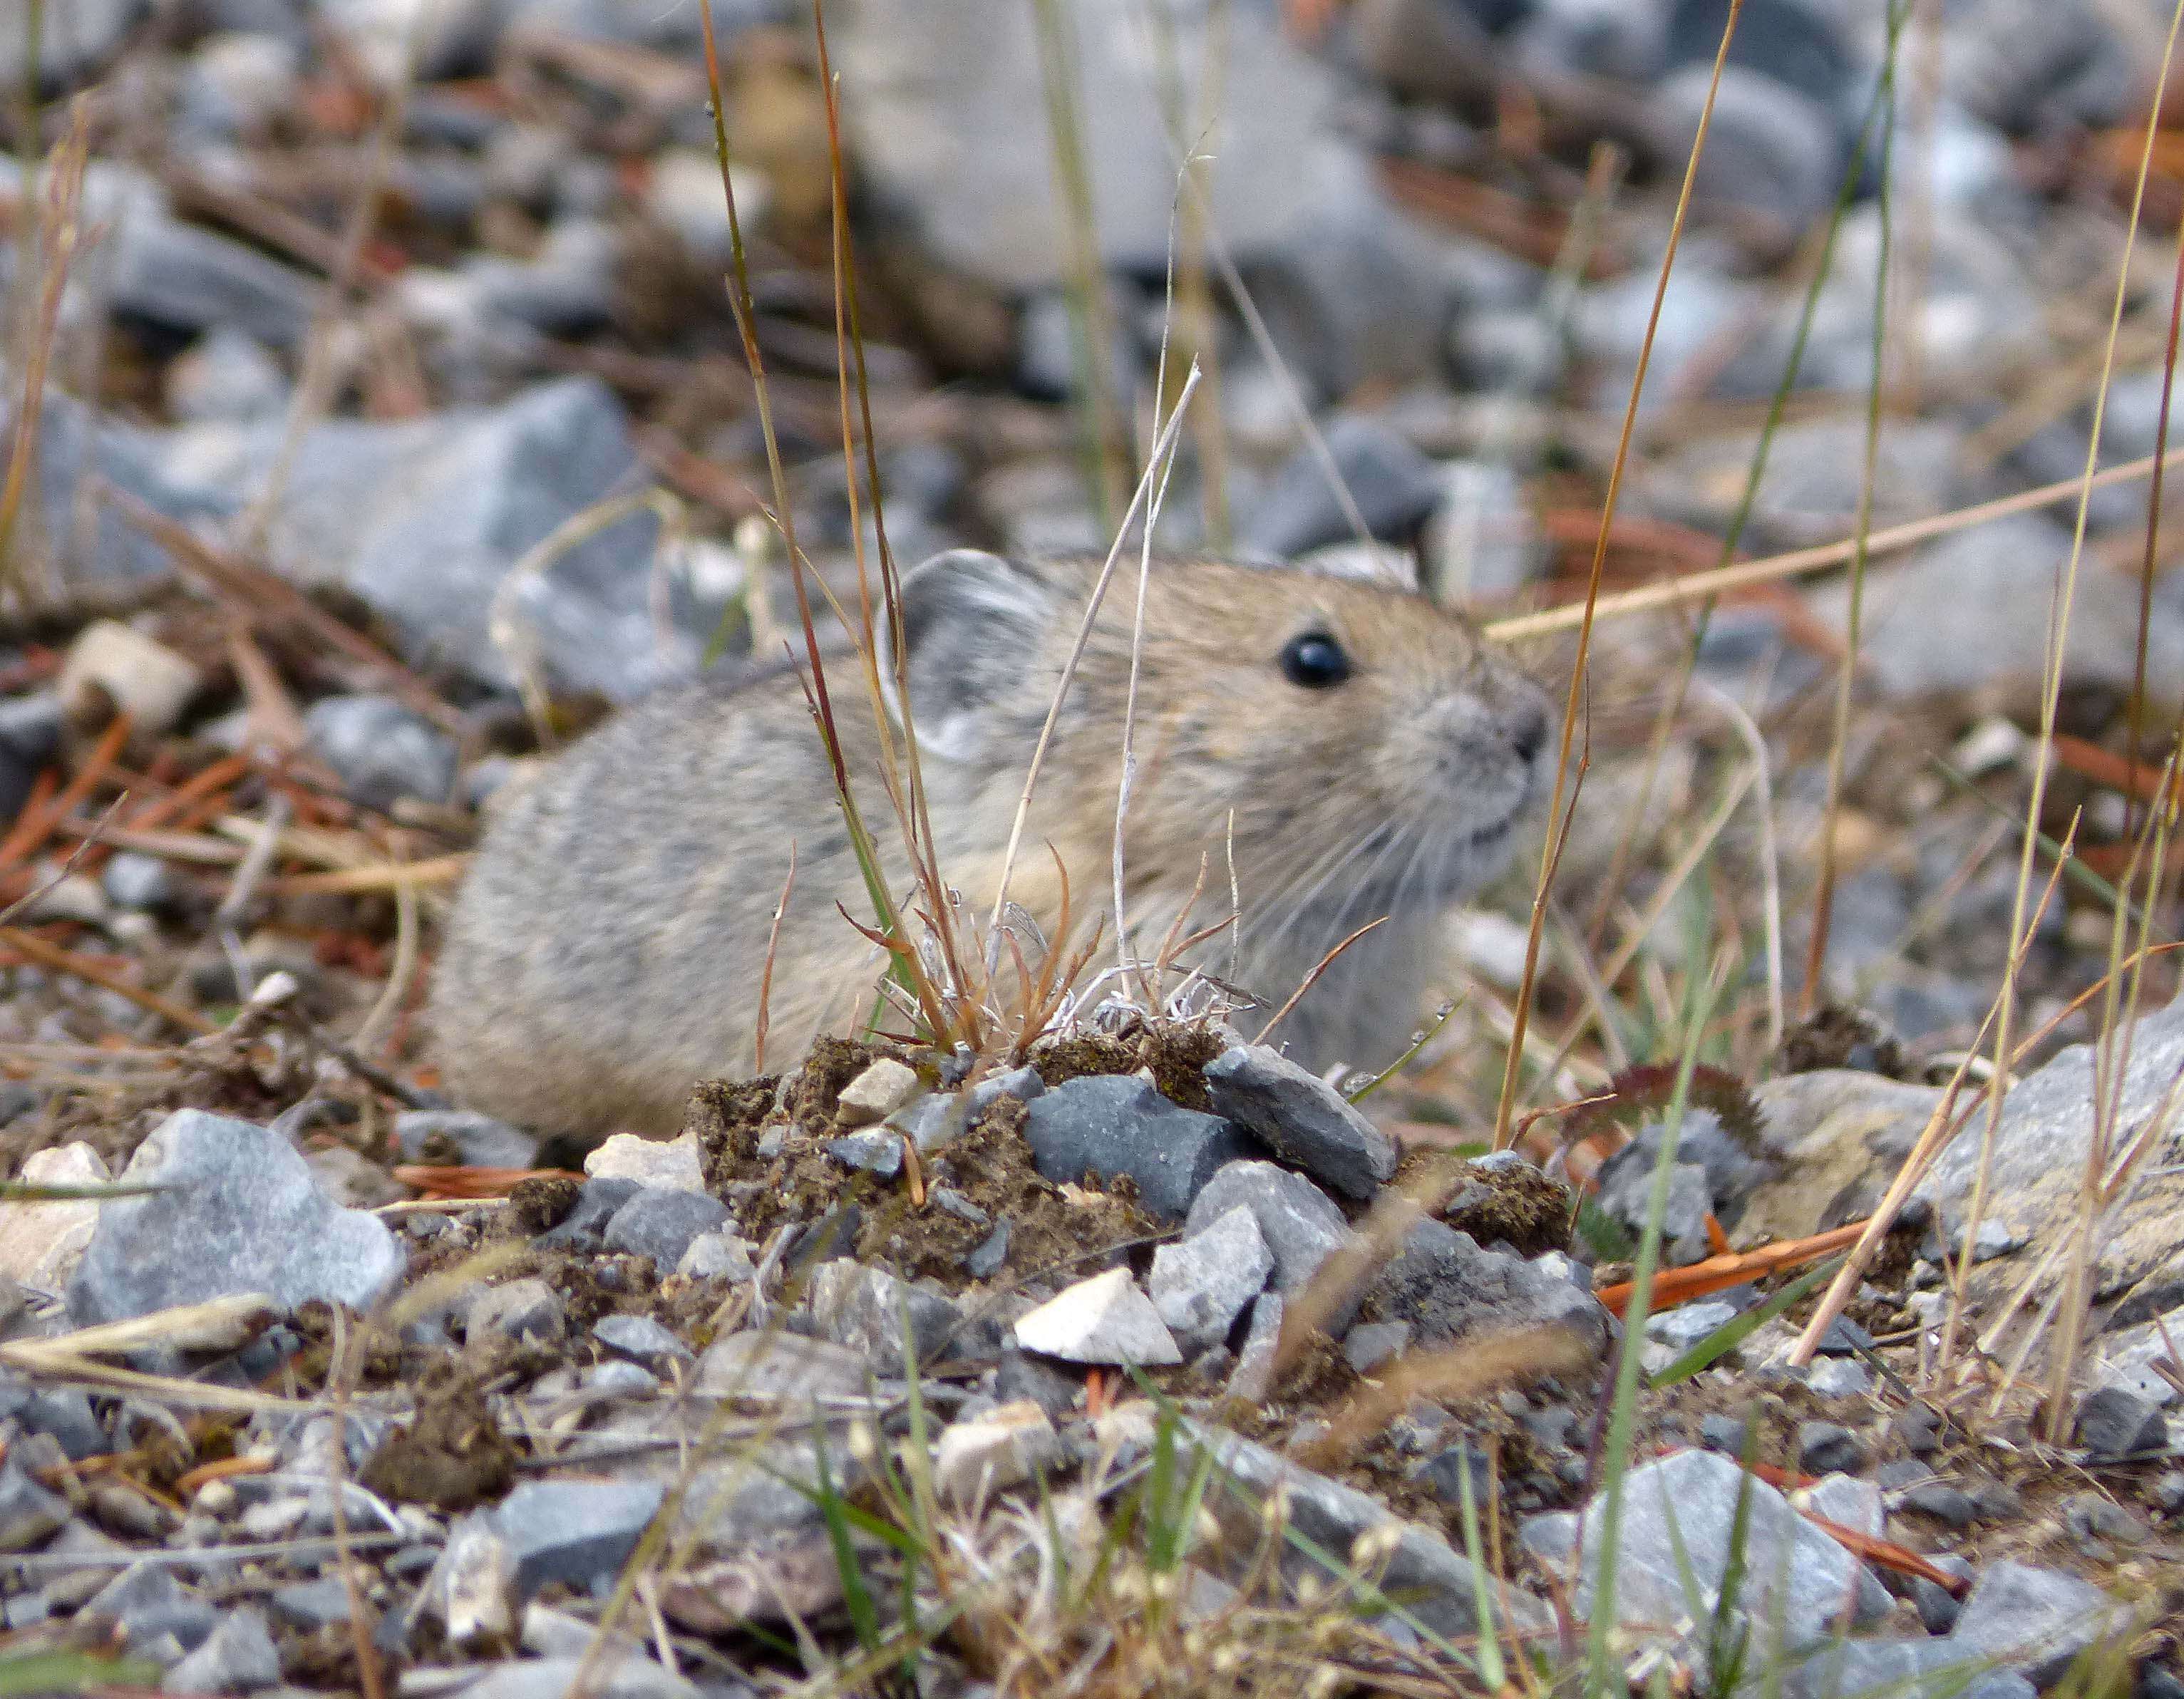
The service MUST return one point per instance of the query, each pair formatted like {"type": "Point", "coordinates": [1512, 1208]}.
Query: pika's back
{"type": "Point", "coordinates": [1335, 749]}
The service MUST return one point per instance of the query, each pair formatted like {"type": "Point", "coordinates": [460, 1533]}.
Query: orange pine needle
{"type": "Point", "coordinates": [1676, 1286]}
{"type": "Point", "coordinates": [460, 1182]}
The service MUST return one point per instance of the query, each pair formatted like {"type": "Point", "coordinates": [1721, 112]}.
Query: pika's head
{"type": "Point", "coordinates": [1355, 748]}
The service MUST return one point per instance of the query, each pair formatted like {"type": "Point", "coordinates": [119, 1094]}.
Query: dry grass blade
{"type": "Point", "coordinates": [1941, 1126]}
{"type": "Point", "coordinates": [1163, 447]}
{"type": "Point", "coordinates": [219, 1324]}
{"type": "Point", "coordinates": [91, 837]}
{"type": "Point", "coordinates": [53, 958]}
{"type": "Point", "coordinates": [1312, 978]}
{"type": "Point", "coordinates": [266, 596]}
{"type": "Point", "coordinates": [1470, 1370]}
{"type": "Point", "coordinates": [2058, 628]}
{"type": "Point", "coordinates": [60, 233]}
{"type": "Point", "coordinates": [1559, 816]}
{"type": "Point", "coordinates": [765, 974]}
{"type": "Point", "coordinates": [1701, 586]}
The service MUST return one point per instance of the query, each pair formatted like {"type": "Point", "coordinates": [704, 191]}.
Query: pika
{"type": "Point", "coordinates": [1331, 749]}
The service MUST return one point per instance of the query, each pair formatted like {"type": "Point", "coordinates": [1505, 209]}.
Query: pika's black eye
{"type": "Point", "coordinates": [1314, 662]}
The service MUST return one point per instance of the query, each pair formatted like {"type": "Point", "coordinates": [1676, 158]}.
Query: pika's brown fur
{"type": "Point", "coordinates": [606, 950]}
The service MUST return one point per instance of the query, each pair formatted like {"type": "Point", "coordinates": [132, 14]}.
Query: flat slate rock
{"type": "Point", "coordinates": [1112, 1124]}
{"type": "Point", "coordinates": [1301, 1118]}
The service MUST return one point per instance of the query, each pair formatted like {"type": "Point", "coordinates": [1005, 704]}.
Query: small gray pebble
{"type": "Point", "coordinates": [1828, 1447]}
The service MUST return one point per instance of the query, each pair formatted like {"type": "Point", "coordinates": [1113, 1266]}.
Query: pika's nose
{"type": "Point", "coordinates": [1527, 729]}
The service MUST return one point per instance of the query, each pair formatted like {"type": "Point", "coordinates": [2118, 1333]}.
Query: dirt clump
{"type": "Point", "coordinates": [452, 1456]}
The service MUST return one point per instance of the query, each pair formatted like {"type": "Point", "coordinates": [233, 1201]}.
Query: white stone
{"type": "Point", "coordinates": [673, 1163]}
{"type": "Point", "coordinates": [41, 1243]}
{"type": "Point", "coordinates": [474, 1586]}
{"type": "Point", "coordinates": [685, 194]}
{"type": "Point", "coordinates": [144, 679]}
{"type": "Point", "coordinates": [1103, 1320]}
{"type": "Point", "coordinates": [876, 1093]}
{"type": "Point", "coordinates": [981, 1456]}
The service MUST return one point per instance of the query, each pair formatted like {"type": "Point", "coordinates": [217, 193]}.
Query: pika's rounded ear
{"type": "Point", "coordinates": [969, 621]}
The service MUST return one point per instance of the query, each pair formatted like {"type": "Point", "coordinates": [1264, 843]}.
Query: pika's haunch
{"type": "Point", "coordinates": [1354, 749]}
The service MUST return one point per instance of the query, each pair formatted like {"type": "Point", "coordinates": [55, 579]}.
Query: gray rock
{"type": "Point", "coordinates": [1676, 1547]}
{"type": "Point", "coordinates": [1839, 1377]}
{"type": "Point", "coordinates": [661, 1221]}
{"type": "Point", "coordinates": [1824, 1447]}
{"type": "Point", "coordinates": [1111, 1124]}
{"type": "Point", "coordinates": [876, 1151]}
{"type": "Point", "coordinates": [1301, 1224]}
{"type": "Point", "coordinates": [74, 447]}
{"type": "Point", "coordinates": [597, 1205]}
{"type": "Point", "coordinates": [1609, 327]}
{"type": "Point", "coordinates": [1483, 540]}
{"type": "Point", "coordinates": [607, 1677]}
{"type": "Point", "coordinates": [76, 39]}
{"type": "Point", "coordinates": [2113, 1423]}
{"type": "Point", "coordinates": [1847, 1501]}
{"type": "Point", "coordinates": [29, 1514]}
{"type": "Point", "coordinates": [1552, 1537]}
{"type": "Point", "coordinates": [1685, 1326]}
{"type": "Point", "coordinates": [1201, 1285]}
{"type": "Point", "coordinates": [1914, 1668]}
{"type": "Point", "coordinates": [1592, 38]}
{"type": "Point", "coordinates": [2035, 1620]}
{"type": "Point", "coordinates": [1449, 1289]}
{"type": "Point", "coordinates": [1439, 1583]}
{"type": "Point", "coordinates": [1394, 487]}
{"type": "Point", "coordinates": [236, 1211]}
{"type": "Point", "coordinates": [640, 23]}
{"type": "Point", "coordinates": [2039, 1154]}
{"type": "Point", "coordinates": [65, 1413]}
{"type": "Point", "coordinates": [1302, 1119]}
{"type": "Point", "coordinates": [1023, 1083]}
{"type": "Point", "coordinates": [1771, 150]}
{"type": "Point", "coordinates": [1252, 1380]}
{"type": "Point", "coordinates": [882, 1088]}
{"type": "Point", "coordinates": [2023, 64]}
{"type": "Point", "coordinates": [29, 737]}
{"type": "Point", "coordinates": [984, 1260]}
{"type": "Point", "coordinates": [765, 1365]}
{"type": "Point", "coordinates": [238, 1657]}
{"type": "Point", "coordinates": [1949, 1505]}
{"type": "Point", "coordinates": [528, 1310]}
{"type": "Point", "coordinates": [143, 883]}
{"type": "Point", "coordinates": [717, 1256]}
{"type": "Point", "coordinates": [952, 135]}
{"type": "Point", "coordinates": [565, 288]}
{"type": "Point", "coordinates": [478, 1140]}
{"type": "Point", "coordinates": [381, 750]}
{"type": "Point", "coordinates": [423, 520]}
{"type": "Point", "coordinates": [578, 1532]}
{"type": "Point", "coordinates": [185, 277]}
{"type": "Point", "coordinates": [1937, 1607]}
{"type": "Point", "coordinates": [866, 1310]}
{"type": "Point", "coordinates": [311, 1605]}
{"type": "Point", "coordinates": [1369, 1345]}
{"type": "Point", "coordinates": [1626, 1197]}
{"type": "Point", "coordinates": [641, 1340]}
{"type": "Point", "coordinates": [1970, 586]}
{"type": "Point", "coordinates": [156, 1618]}
{"type": "Point", "coordinates": [1019, 1375]}
{"type": "Point", "coordinates": [227, 376]}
